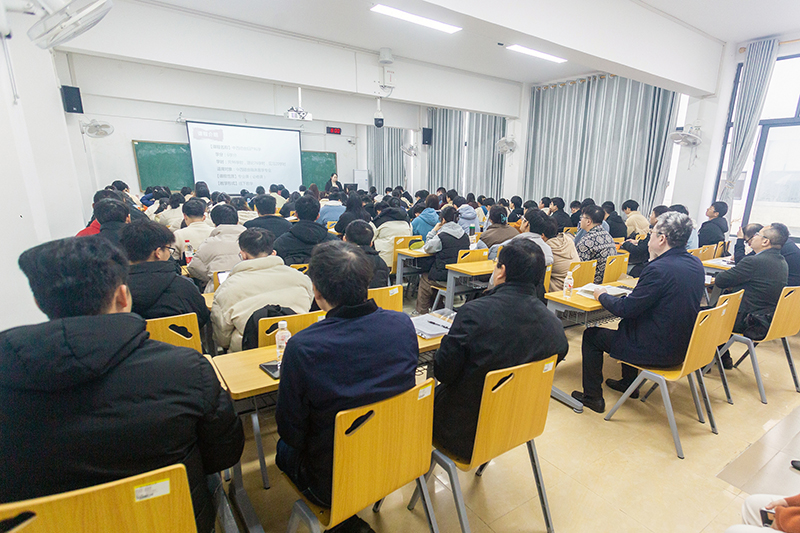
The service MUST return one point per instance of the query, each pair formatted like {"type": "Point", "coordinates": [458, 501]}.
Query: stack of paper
{"type": "Point", "coordinates": [431, 326]}
{"type": "Point", "coordinates": [587, 290]}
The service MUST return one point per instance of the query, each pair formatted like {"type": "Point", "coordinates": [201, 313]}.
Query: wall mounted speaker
{"type": "Point", "coordinates": [71, 96]}
{"type": "Point", "coordinates": [427, 135]}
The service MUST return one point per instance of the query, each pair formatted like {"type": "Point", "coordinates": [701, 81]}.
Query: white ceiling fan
{"type": "Point", "coordinates": [61, 20]}
{"type": "Point", "coordinates": [506, 145]}
{"type": "Point", "coordinates": [97, 129]}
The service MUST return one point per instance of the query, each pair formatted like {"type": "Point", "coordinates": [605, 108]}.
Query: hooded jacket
{"type": "Point", "coordinates": [220, 251]}
{"type": "Point", "coordinates": [616, 226]}
{"type": "Point", "coordinates": [424, 223]}
{"type": "Point", "coordinates": [391, 223]}
{"type": "Point", "coordinates": [562, 219]}
{"type": "Point", "coordinates": [712, 231]}
{"type": "Point", "coordinates": [468, 217]}
{"type": "Point", "coordinates": [380, 270]}
{"type": "Point", "coordinates": [450, 239]}
{"type": "Point", "coordinates": [91, 399]}
{"type": "Point", "coordinates": [158, 291]}
{"type": "Point", "coordinates": [295, 245]}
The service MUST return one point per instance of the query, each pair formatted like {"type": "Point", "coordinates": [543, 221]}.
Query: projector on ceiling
{"type": "Point", "coordinates": [297, 113]}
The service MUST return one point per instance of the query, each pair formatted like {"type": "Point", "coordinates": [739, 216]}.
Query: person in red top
{"type": "Point", "coordinates": [94, 227]}
{"type": "Point", "coordinates": [787, 514]}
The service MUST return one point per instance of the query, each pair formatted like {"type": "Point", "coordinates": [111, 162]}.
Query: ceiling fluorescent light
{"type": "Point", "coordinates": [416, 19]}
{"type": "Point", "coordinates": [535, 53]}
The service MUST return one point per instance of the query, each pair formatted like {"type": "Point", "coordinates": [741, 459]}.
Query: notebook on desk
{"type": "Point", "coordinates": [431, 325]}
{"type": "Point", "coordinates": [587, 290]}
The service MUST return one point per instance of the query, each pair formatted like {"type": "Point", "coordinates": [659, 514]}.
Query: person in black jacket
{"type": "Point", "coordinates": [112, 216]}
{"type": "Point", "coordinates": [506, 327]}
{"type": "Point", "coordinates": [354, 210]}
{"type": "Point", "coordinates": [267, 219]}
{"type": "Point", "coordinates": [715, 228]}
{"type": "Point", "coordinates": [93, 398]}
{"type": "Point", "coordinates": [295, 246]}
{"type": "Point", "coordinates": [657, 317]}
{"type": "Point", "coordinates": [156, 287]}
{"type": "Point", "coordinates": [616, 226]}
{"type": "Point", "coordinates": [358, 355]}
{"type": "Point", "coordinates": [517, 210]}
{"type": "Point", "coordinates": [744, 236]}
{"type": "Point", "coordinates": [557, 213]}
{"type": "Point", "coordinates": [639, 250]}
{"type": "Point", "coordinates": [790, 253]}
{"type": "Point", "coordinates": [576, 207]}
{"type": "Point", "coordinates": [360, 233]}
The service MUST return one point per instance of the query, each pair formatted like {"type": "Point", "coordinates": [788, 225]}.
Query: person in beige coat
{"type": "Point", "coordinates": [220, 251]}
{"type": "Point", "coordinates": [260, 279]}
{"type": "Point", "coordinates": [564, 253]}
{"type": "Point", "coordinates": [391, 222]}
{"type": "Point", "coordinates": [499, 231]}
{"type": "Point", "coordinates": [196, 230]}
{"type": "Point", "coordinates": [636, 223]}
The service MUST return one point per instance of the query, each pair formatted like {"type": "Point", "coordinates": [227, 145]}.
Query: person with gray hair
{"type": "Point", "coordinates": [657, 317]}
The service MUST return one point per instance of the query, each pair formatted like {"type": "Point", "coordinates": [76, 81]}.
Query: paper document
{"type": "Point", "coordinates": [587, 290]}
{"type": "Point", "coordinates": [431, 325]}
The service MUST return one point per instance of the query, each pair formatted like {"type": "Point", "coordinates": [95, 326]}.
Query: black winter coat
{"type": "Point", "coordinates": [488, 334]}
{"type": "Point", "coordinates": [762, 276]}
{"type": "Point", "coordinates": [277, 225]}
{"type": "Point", "coordinates": [295, 246]}
{"type": "Point", "coordinates": [616, 226]}
{"type": "Point", "coordinates": [712, 231]}
{"type": "Point", "coordinates": [380, 276]}
{"type": "Point", "coordinates": [158, 291]}
{"type": "Point", "coordinates": [562, 219]}
{"type": "Point", "coordinates": [91, 399]}
{"type": "Point", "coordinates": [389, 214]}
{"type": "Point", "coordinates": [791, 253]}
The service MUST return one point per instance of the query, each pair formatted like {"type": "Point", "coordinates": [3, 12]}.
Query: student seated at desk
{"type": "Point", "coordinates": [93, 398]}
{"type": "Point", "coordinates": [332, 210]}
{"type": "Point", "coordinates": [508, 326]}
{"type": "Point", "coordinates": [196, 230]}
{"type": "Point", "coordinates": [425, 221]}
{"type": "Point", "coordinates": [358, 355]}
{"type": "Point", "coordinates": [112, 215]}
{"type": "Point", "coordinates": [354, 210]}
{"type": "Point", "coordinates": [744, 236]}
{"type": "Point", "coordinates": [360, 233]}
{"type": "Point", "coordinates": [532, 225]}
{"type": "Point", "coordinates": [444, 241]}
{"type": "Point", "coordinates": [93, 228]}
{"type": "Point", "coordinates": [588, 202]}
{"type": "Point", "coordinates": [557, 213]}
{"type": "Point", "coordinates": [499, 231]}
{"type": "Point", "coordinates": [657, 317]}
{"type": "Point", "coordinates": [267, 218]}
{"type": "Point", "coordinates": [259, 279]}
{"type": "Point", "coordinates": [634, 220]}
{"type": "Point", "coordinates": [220, 251]}
{"type": "Point", "coordinates": [616, 226]}
{"type": "Point", "coordinates": [391, 221]}
{"type": "Point", "coordinates": [172, 216]}
{"type": "Point", "coordinates": [157, 288]}
{"type": "Point", "coordinates": [639, 249]}
{"type": "Point", "coordinates": [295, 246]}
{"type": "Point", "coordinates": [715, 228]}
{"type": "Point", "coordinates": [597, 242]}
{"type": "Point", "coordinates": [564, 253]}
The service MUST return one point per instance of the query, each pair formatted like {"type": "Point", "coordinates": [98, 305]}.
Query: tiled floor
{"type": "Point", "coordinates": [616, 476]}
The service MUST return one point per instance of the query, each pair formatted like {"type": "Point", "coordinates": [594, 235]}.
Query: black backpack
{"type": "Point", "coordinates": [250, 337]}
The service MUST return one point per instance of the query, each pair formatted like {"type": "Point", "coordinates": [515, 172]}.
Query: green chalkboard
{"type": "Point", "coordinates": [167, 164]}
{"type": "Point", "coordinates": [318, 167]}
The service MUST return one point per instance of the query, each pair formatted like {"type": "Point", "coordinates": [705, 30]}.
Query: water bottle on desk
{"type": "Point", "coordinates": [188, 251]}
{"type": "Point", "coordinates": [568, 284]}
{"type": "Point", "coordinates": [282, 336]}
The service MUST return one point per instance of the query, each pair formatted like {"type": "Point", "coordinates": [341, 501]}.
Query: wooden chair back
{"type": "Point", "coordinates": [722, 248]}
{"type": "Point", "coordinates": [216, 371]}
{"type": "Point", "coordinates": [330, 224]}
{"type": "Point", "coordinates": [268, 326]}
{"type": "Point", "coordinates": [734, 300]}
{"type": "Point", "coordinates": [707, 252]}
{"type": "Point", "coordinates": [155, 501]}
{"type": "Point", "coordinates": [641, 236]}
{"type": "Point", "coordinates": [178, 330]}
{"type": "Point", "coordinates": [616, 266]}
{"type": "Point", "coordinates": [513, 409]}
{"type": "Point", "coordinates": [215, 279]}
{"type": "Point", "coordinates": [786, 320]}
{"type": "Point", "coordinates": [695, 252]}
{"type": "Point", "coordinates": [390, 298]}
{"type": "Point", "coordinates": [302, 267]}
{"type": "Point", "coordinates": [705, 339]}
{"type": "Point", "coordinates": [548, 274]}
{"type": "Point", "coordinates": [571, 231]}
{"type": "Point", "coordinates": [401, 243]}
{"type": "Point", "coordinates": [583, 272]}
{"type": "Point", "coordinates": [471, 256]}
{"type": "Point", "coordinates": [379, 448]}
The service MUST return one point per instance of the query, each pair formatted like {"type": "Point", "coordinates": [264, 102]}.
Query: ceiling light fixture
{"type": "Point", "coordinates": [535, 53]}
{"type": "Point", "coordinates": [416, 19]}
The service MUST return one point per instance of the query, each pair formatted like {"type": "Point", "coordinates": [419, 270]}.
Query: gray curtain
{"type": "Point", "coordinates": [756, 73]}
{"type": "Point", "coordinates": [483, 167]}
{"type": "Point", "coordinates": [385, 157]}
{"type": "Point", "coordinates": [603, 137]}
{"type": "Point", "coordinates": [445, 161]}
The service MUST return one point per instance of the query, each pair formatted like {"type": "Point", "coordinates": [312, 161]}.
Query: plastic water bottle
{"type": "Point", "coordinates": [188, 251]}
{"type": "Point", "coordinates": [472, 229]}
{"type": "Point", "coordinates": [568, 284]}
{"type": "Point", "coordinates": [282, 336]}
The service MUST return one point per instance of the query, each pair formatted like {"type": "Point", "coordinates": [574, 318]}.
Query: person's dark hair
{"type": "Point", "coordinates": [355, 205]}
{"type": "Point", "coordinates": [302, 188]}
{"type": "Point", "coordinates": [524, 262]}
{"type": "Point", "coordinates": [530, 204]}
{"type": "Point", "coordinates": [545, 201]}
{"type": "Point", "coordinates": [633, 205]}
{"type": "Point", "coordinates": [407, 197]}
{"type": "Point", "coordinates": [341, 272]}
{"type": "Point", "coordinates": [721, 208]}
{"type": "Point", "coordinates": [661, 209]}
{"type": "Point", "coordinates": [194, 208]}
{"type": "Point", "coordinates": [373, 190]}
{"type": "Point", "coordinates": [417, 209]}
{"type": "Point", "coordinates": [334, 196]}
{"type": "Point", "coordinates": [106, 193]}
{"type": "Point", "coordinates": [176, 200]}
{"type": "Point", "coordinates": [537, 220]}
{"type": "Point", "coordinates": [201, 190]}
{"type": "Point", "coordinates": [214, 197]}
{"type": "Point", "coordinates": [432, 201]}
{"type": "Point", "coordinates": [481, 199]}
{"type": "Point", "coordinates": [516, 202]}
{"type": "Point", "coordinates": [498, 215]}
{"type": "Point", "coordinates": [575, 204]}
{"type": "Point", "coordinates": [119, 185]}
{"type": "Point", "coordinates": [470, 197]}
{"type": "Point", "coordinates": [149, 190]}
{"type": "Point", "coordinates": [160, 192]}
{"type": "Point", "coordinates": [394, 201]}
{"type": "Point", "coordinates": [558, 202]}
{"type": "Point", "coordinates": [550, 231]}
{"type": "Point", "coordinates": [679, 208]}
{"type": "Point", "coordinates": [285, 194]}
{"type": "Point", "coordinates": [224, 214]}
{"type": "Point", "coordinates": [240, 203]}
{"type": "Point", "coordinates": [74, 277]}
{"type": "Point", "coordinates": [307, 208]}
{"type": "Point", "coordinates": [186, 190]}
{"type": "Point", "coordinates": [489, 202]}
{"type": "Point", "coordinates": [449, 214]}
{"type": "Point", "coordinates": [380, 206]}
{"type": "Point", "coordinates": [595, 213]}
{"type": "Point", "coordinates": [441, 190]}
{"type": "Point", "coordinates": [273, 188]}
{"type": "Point", "coordinates": [751, 229]}
{"type": "Point", "coordinates": [256, 241]}
{"type": "Point", "coordinates": [260, 190]}
{"type": "Point", "coordinates": [396, 193]}
{"type": "Point", "coordinates": [782, 236]}
{"type": "Point", "coordinates": [314, 191]}
{"type": "Point", "coordinates": [421, 194]}
{"type": "Point", "coordinates": [587, 202]}
{"type": "Point", "coordinates": [110, 210]}
{"type": "Point", "coordinates": [265, 204]}
{"type": "Point", "coordinates": [676, 227]}
{"type": "Point", "coordinates": [387, 190]}
{"type": "Point", "coordinates": [503, 202]}
{"type": "Point", "coordinates": [294, 197]}
{"type": "Point", "coordinates": [359, 232]}
{"type": "Point", "coordinates": [141, 238]}
{"type": "Point", "coordinates": [452, 194]}
{"type": "Point", "coordinates": [609, 207]}
{"type": "Point", "coordinates": [223, 198]}
{"type": "Point", "coordinates": [459, 201]}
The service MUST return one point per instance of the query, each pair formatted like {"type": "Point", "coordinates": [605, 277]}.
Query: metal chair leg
{"type": "Point", "coordinates": [452, 473]}
{"type": "Point", "coordinates": [648, 393]}
{"type": "Point", "coordinates": [723, 376]}
{"type": "Point", "coordinates": [301, 513]}
{"type": "Point", "coordinates": [377, 507]}
{"type": "Point", "coordinates": [436, 300]}
{"type": "Point", "coordinates": [697, 407]}
{"type": "Point", "coordinates": [633, 386]}
{"type": "Point", "coordinates": [537, 474]}
{"type": "Point", "coordinates": [754, 360]}
{"type": "Point", "coordinates": [422, 486]}
{"type": "Point", "coordinates": [481, 468]}
{"type": "Point", "coordinates": [788, 351]}
{"type": "Point", "coordinates": [414, 497]}
{"type": "Point", "coordinates": [224, 512]}
{"type": "Point", "coordinates": [670, 416]}
{"type": "Point", "coordinates": [701, 382]}
{"type": "Point", "coordinates": [259, 445]}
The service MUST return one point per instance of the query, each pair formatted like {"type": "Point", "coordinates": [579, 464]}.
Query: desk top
{"type": "Point", "coordinates": [582, 303]}
{"type": "Point", "coordinates": [209, 298]}
{"type": "Point", "coordinates": [720, 263]}
{"type": "Point", "coordinates": [185, 271]}
{"type": "Point", "coordinates": [475, 268]}
{"type": "Point", "coordinates": [408, 252]}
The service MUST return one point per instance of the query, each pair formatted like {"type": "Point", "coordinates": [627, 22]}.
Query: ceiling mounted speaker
{"type": "Point", "coordinates": [386, 57]}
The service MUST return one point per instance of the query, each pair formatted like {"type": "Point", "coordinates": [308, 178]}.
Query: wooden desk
{"type": "Point", "coordinates": [209, 298]}
{"type": "Point", "coordinates": [712, 268]}
{"type": "Point", "coordinates": [456, 271]}
{"type": "Point", "coordinates": [404, 254]}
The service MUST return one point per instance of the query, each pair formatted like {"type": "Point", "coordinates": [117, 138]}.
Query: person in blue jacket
{"type": "Point", "coordinates": [424, 223]}
{"type": "Point", "coordinates": [657, 317]}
